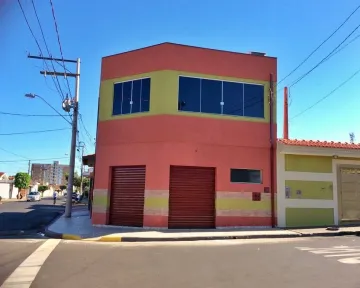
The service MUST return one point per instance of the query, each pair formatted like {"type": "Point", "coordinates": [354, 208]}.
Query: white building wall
{"type": "Point", "coordinates": [282, 175]}
{"type": "Point", "coordinates": [283, 202]}
{"type": "Point", "coordinates": [5, 191]}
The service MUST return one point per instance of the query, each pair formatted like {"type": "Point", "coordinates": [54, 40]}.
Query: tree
{"type": "Point", "coordinates": [77, 182]}
{"type": "Point", "coordinates": [63, 187]}
{"type": "Point", "coordinates": [43, 188]}
{"type": "Point", "coordinates": [86, 184]}
{"type": "Point", "coordinates": [22, 180]}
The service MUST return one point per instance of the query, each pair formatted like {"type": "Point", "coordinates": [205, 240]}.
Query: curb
{"type": "Point", "coordinates": [197, 238]}
{"type": "Point", "coordinates": [204, 238]}
{"type": "Point", "coordinates": [331, 234]}
{"type": "Point", "coordinates": [109, 238]}
{"type": "Point", "coordinates": [52, 234]}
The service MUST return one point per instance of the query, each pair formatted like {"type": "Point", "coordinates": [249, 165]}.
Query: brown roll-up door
{"type": "Point", "coordinates": [127, 196]}
{"type": "Point", "coordinates": [192, 197]}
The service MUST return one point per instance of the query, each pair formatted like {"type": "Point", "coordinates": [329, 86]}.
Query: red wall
{"type": "Point", "coordinates": [161, 141]}
{"type": "Point", "coordinates": [187, 58]}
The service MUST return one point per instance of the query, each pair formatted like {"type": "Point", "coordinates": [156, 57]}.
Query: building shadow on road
{"type": "Point", "coordinates": [28, 222]}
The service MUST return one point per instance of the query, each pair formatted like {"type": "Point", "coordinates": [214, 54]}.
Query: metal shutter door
{"type": "Point", "coordinates": [192, 197]}
{"type": "Point", "coordinates": [127, 196]}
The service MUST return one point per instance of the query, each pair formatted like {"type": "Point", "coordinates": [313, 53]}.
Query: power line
{"type": "Point", "coordinates": [346, 45]}
{"type": "Point", "coordinates": [17, 155]}
{"type": "Point", "coordinates": [336, 52]}
{"type": "Point", "coordinates": [28, 24]}
{"type": "Point", "coordinates": [39, 47]}
{"type": "Point", "coordinates": [31, 132]}
{"type": "Point", "coordinates": [86, 131]}
{"type": "Point", "coordinates": [47, 49]}
{"type": "Point", "coordinates": [58, 38]}
{"type": "Point", "coordinates": [324, 59]}
{"type": "Point", "coordinates": [327, 95]}
{"type": "Point", "coordinates": [31, 115]}
{"type": "Point", "coordinates": [317, 48]}
{"type": "Point", "coordinates": [32, 160]}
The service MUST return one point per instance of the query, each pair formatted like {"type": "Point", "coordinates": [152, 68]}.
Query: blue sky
{"type": "Point", "coordinates": [288, 30]}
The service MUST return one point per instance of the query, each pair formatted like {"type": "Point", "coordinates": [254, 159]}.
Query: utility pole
{"type": "Point", "coordinates": [29, 167]}
{"type": "Point", "coordinates": [67, 105]}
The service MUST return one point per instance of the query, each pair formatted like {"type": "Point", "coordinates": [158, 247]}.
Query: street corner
{"type": "Point", "coordinates": [106, 238]}
{"type": "Point", "coordinates": [55, 235]}
{"type": "Point", "coordinates": [75, 237]}
{"type": "Point", "coordinates": [51, 234]}
{"type": "Point", "coordinates": [109, 238]}
{"type": "Point", "coordinates": [71, 237]}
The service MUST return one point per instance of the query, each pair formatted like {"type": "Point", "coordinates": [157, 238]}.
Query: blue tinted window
{"type": "Point", "coordinates": [211, 96]}
{"type": "Point", "coordinates": [117, 99]}
{"type": "Point", "coordinates": [189, 94]}
{"type": "Point", "coordinates": [233, 98]}
{"type": "Point", "coordinates": [136, 96]}
{"type": "Point", "coordinates": [131, 97]}
{"type": "Point", "coordinates": [127, 90]}
{"type": "Point", "coordinates": [254, 100]}
{"type": "Point", "coordinates": [145, 95]}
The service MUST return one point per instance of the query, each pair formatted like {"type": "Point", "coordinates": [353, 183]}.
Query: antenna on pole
{"type": "Point", "coordinates": [352, 137]}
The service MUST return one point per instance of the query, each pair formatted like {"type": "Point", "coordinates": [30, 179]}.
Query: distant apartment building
{"type": "Point", "coordinates": [49, 173]}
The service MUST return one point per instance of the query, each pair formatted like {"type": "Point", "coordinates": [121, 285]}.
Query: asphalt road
{"type": "Point", "coordinates": [25, 216]}
{"type": "Point", "coordinates": [311, 262]}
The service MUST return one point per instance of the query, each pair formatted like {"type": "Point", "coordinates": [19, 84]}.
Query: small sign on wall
{"type": "Point", "coordinates": [298, 193]}
{"type": "Point", "coordinates": [287, 192]}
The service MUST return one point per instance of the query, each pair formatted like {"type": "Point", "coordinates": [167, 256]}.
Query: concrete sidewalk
{"type": "Point", "coordinates": [79, 227]}
{"type": "Point", "coordinates": [12, 200]}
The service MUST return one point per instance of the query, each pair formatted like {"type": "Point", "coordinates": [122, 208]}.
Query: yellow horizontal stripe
{"type": "Point", "coordinates": [241, 204]}
{"type": "Point", "coordinates": [156, 202]}
{"type": "Point", "coordinates": [305, 163]}
{"type": "Point", "coordinates": [310, 189]}
{"type": "Point", "coordinates": [100, 201]}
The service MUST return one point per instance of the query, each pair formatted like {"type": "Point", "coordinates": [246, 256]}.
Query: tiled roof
{"type": "Point", "coordinates": [322, 144]}
{"type": "Point", "coordinates": [2, 173]}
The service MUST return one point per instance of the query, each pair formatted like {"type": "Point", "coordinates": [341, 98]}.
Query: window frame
{"type": "Point", "coordinates": [122, 91]}
{"type": "Point", "coordinates": [251, 169]}
{"type": "Point", "coordinates": [222, 95]}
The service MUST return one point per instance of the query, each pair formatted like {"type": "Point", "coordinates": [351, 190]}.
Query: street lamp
{"type": "Point", "coordinates": [67, 105]}
{"type": "Point", "coordinates": [32, 95]}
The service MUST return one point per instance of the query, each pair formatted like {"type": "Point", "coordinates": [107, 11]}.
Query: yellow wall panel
{"type": "Point", "coordinates": [164, 96]}
{"type": "Point", "coordinates": [309, 217]}
{"type": "Point", "coordinates": [309, 189]}
{"type": "Point", "coordinates": [306, 163]}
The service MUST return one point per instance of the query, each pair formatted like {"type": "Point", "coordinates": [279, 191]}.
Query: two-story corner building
{"type": "Point", "coordinates": [185, 139]}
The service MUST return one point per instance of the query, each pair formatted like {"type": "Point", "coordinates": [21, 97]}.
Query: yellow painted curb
{"type": "Point", "coordinates": [95, 239]}
{"type": "Point", "coordinates": [110, 239]}
{"type": "Point", "coordinates": [71, 237]}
